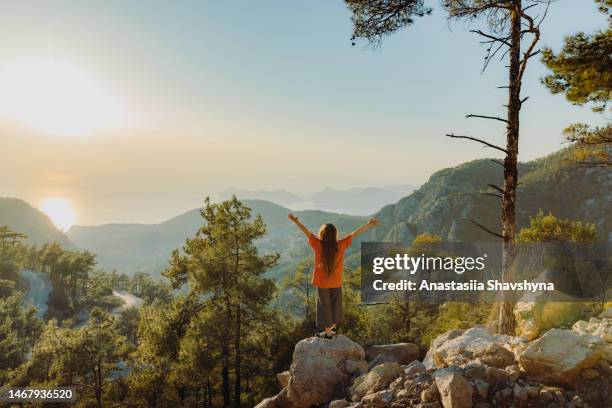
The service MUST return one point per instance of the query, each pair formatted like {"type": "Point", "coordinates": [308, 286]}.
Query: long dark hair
{"type": "Point", "coordinates": [328, 234]}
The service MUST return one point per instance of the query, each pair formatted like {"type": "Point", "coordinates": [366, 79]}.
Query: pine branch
{"type": "Point", "coordinates": [487, 117]}
{"type": "Point", "coordinates": [501, 149]}
{"type": "Point", "coordinates": [496, 188]}
{"type": "Point", "coordinates": [485, 229]}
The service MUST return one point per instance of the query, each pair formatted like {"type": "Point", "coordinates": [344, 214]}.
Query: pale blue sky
{"type": "Point", "coordinates": [257, 94]}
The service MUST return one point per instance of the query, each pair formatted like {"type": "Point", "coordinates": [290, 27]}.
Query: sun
{"type": "Point", "coordinates": [58, 98]}
{"type": "Point", "coordinates": [60, 211]}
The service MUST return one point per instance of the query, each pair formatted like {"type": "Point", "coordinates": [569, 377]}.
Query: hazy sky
{"type": "Point", "coordinates": [134, 111]}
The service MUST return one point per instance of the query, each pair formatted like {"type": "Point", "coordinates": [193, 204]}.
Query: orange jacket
{"type": "Point", "coordinates": [320, 277]}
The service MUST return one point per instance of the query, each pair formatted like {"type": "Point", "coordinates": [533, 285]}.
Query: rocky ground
{"type": "Point", "coordinates": [463, 368]}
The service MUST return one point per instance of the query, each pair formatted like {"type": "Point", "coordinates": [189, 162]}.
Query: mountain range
{"type": "Point", "coordinates": [147, 247]}
{"type": "Point", "coordinates": [23, 217]}
{"type": "Point", "coordinates": [355, 201]}
{"type": "Point", "coordinates": [445, 205]}
{"type": "Point", "coordinates": [452, 198]}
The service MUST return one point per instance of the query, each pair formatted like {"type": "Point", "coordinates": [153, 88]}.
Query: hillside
{"type": "Point", "coordinates": [22, 217]}
{"type": "Point", "coordinates": [147, 247]}
{"type": "Point", "coordinates": [446, 203]}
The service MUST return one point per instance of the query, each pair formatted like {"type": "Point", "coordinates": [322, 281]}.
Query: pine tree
{"type": "Point", "coordinates": [222, 263]}
{"type": "Point", "coordinates": [511, 24]}
{"type": "Point", "coordinates": [582, 71]}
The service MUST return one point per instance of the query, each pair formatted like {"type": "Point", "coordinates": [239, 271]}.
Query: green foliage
{"type": "Point", "coordinates": [454, 315]}
{"type": "Point", "coordinates": [86, 357]}
{"type": "Point", "coordinates": [375, 19]}
{"type": "Point", "coordinates": [593, 144]}
{"type": "Point", "coordinates": [19, 329]}
{"type": "Point", "coordinates": [582, 70]}
{"type": "Point", "coordinates": [301, 291]}
{"type": "Point", "coordinates": [548, 228]}
{"type": "Point", "coordinates": [225, 276]}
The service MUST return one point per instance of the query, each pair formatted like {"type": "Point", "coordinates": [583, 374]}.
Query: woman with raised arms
{"type": "Point", "coordinates": [327, 272]}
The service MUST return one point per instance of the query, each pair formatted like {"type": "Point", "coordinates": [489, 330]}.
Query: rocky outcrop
{"type": "Point", "coordinates": [474, 345]}
{"type": "Point", "coordinates": [376, 380]}
{"type": "Point", "coordinates": [559, 356]}
{"type": "Point", "coordinates": [280, 400]}
{"type": "Point", "coordinates": [463, 368]}
{"type": "Point", "coordinates": [283, 378]}
{"type": "Point", "coordinates": [319, 369]}
{"type": "Point", "coordinates": [401, 353]}
{"type": "Point", "coordinates": [534, 317]}
{"type": "Point", "coordinates": [455, 391]}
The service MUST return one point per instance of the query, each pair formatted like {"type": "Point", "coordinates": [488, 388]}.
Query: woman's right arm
{"type": "Point", "coordinates": [301, 226]}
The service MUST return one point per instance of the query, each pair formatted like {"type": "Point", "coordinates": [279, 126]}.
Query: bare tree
{"type": "Point", "coordinates": [512, 33]}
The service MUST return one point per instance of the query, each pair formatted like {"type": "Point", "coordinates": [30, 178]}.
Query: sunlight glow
{"type": "Point", "coordinates": [58, 98]}
{"type": "Point", "coordinates": [60, 211]}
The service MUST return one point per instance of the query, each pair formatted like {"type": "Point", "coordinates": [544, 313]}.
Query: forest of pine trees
{"type": "Point", "coordinates": [215, 335]}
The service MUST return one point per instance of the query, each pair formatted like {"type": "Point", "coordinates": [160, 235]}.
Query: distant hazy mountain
{"type": "Point", "coordinates": [355, 201]}
{"type": "Point", "coordinates": [147, 247]}
{"type": "Point", "coordinates": [22, 217]}
{"type": "Point", "coordinates": [359, 200]}
{"type": "Point", "coordinates": [446, 203]}
{"type": "Point", "coordinates": [281, 197]}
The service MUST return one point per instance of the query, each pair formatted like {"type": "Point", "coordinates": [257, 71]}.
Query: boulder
{"type": "Point", "coordinates": [535, 315]}
{"type": "Point", "coordinates": [414, 368]}
{"type": "Point", "coordinates": [342, 403]}
{"type": "Point", "coordinates": [283, 378]}
{"type": "Point", "coordinates": [278, 401]}
{"type": "Point", "coordinates": [319, 369]}
{"type": "Point", "coordinates": [474, 345]}
{"type": "Point", "coordinates": [597, 327]}
{"type": "Point", "coordinates": [560, 355]}
{"type": "Point", "coordinates": [455, 391]}
{"type": "Point", "coordinates": [401, 353]}
{"type": "Point", "coordinates": [482, 387]}
{"type": "Point", "coordinates": [430, 393]}
{"type": "Point", "coordinates": [376, 380]}
{"type": "Point", "coordinates": [590, 373]}
{"type": "Point", "coordinates": [381, 399]}
{"type": "Point", "coordinates": [449, 335]}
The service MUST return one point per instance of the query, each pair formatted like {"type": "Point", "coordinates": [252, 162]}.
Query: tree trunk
{"type": "Point", "coordinates": [225, 353]}
{"type": "Point", "coordinates": [208, 393]}
{"type": "Point", "coordinates": [237, 356]}
{"type": "Point", "coordinates": [98, 381]}
{"type": "Point", "coordinates": [506, 312]}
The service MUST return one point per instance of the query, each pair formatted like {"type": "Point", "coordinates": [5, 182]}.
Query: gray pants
{"type": "Point", "coordinates": [329, 307]}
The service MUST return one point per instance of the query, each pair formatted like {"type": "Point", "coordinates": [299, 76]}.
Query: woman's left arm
{"type": "Point", "coordinates": [371, 223]}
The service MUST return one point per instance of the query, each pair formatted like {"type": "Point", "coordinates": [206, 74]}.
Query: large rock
{"type": "Point", "coordinates": [474, 345]}
{"type": "Point", "coordinates": [449, 335]}
{"type": "Point", "coordinates": [536, 316]}
{"type": "Point", "coordinates": [455, 391]}
{"type": "Point", "coordinates": [601, 327]}
{"type": "Point", "coordinates": [319, 369]}
{"type": "Point", "coordinates": [376, 380]}
{"type": "Point", "coordinates": [596, 327]}
{"type": "Point", "coordinates": [278, 401]}
{"type": "Point", "coordinates": [402, 353]}
{"type": "Point", "coordinates": [283, 378]}
{"type": "Point", "coordinates": [560, 355]}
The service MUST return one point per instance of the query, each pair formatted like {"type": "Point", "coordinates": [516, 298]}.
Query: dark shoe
{"type": "Point", "coordinates": [323, 335]}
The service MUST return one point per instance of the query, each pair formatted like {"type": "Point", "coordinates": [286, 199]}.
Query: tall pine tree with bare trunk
{"type": "Point", "coordinates": [512, 34]}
